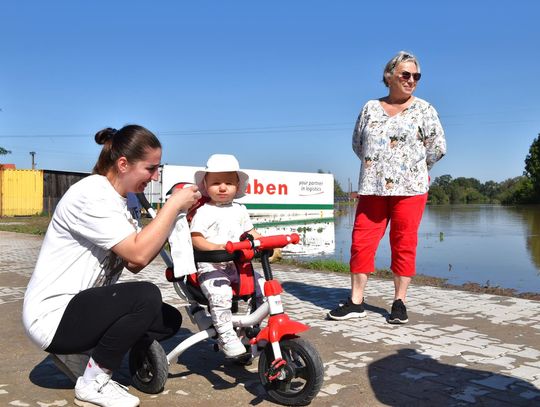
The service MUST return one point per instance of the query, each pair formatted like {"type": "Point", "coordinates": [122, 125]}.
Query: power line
{"type": "Point", "coordinates": [297, 128]}
{"type": "Point", "coordinates": [240, 131]}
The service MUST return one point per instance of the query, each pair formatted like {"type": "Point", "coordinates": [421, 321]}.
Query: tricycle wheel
{"type": "Point", "coordinates": [297, 381]}
{"type": "Point", "coordinates": [148, 367]}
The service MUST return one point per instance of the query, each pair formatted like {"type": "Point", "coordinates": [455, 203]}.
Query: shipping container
{"type": "Point", "coordinates": [55, 185]}
{"type": "Point", "coordinates": [21, 192]}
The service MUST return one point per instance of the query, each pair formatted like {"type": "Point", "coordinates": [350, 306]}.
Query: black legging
{"type": "Point", "coordinates": [112, 319]}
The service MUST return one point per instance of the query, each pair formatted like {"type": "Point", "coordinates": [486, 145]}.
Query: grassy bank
{"type": "Point", "coordinates": [37, 225]}
{"type": "Point", "coordinates": [33, 225]}
{"type": "Point", "coordinates": [420, 279]}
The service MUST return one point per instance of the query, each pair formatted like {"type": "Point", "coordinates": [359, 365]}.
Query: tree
{"type": "Point", "coordinates": [491, 189]}
{"type": "Point", "coordinates": [518, 190]}
{"type": "Point", "coordinates": [532, 165]}
{"type": "Point", "coordinates": [437, 196]}
{"type": "Point", "coordinates": [467, 183]}
{"type": "Point", "coordinates": [443, 181]}
{"type": "Point", "coordinates": [338, 191]}
{"type": "Point", "coordinates": [3, 151]}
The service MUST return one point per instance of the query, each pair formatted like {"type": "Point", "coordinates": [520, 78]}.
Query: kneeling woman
{"type": "Point", "coordinates": [72, 304]}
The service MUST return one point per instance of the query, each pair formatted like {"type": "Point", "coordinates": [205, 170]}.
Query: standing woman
{"type": "Point", "coordinates": [398, 138]}
{"type": "Point", "coordinates": [72, 303]}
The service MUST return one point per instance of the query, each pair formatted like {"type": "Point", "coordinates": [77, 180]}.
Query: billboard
{"type": "Point", "coordinates": [273, 196]}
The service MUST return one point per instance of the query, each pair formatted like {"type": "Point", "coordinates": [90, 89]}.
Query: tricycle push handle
{"type": "Point", "coordinates": [142, 199]}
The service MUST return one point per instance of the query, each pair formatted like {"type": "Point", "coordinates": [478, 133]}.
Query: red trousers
{"type": "Point", "coordinates": [373, 214]}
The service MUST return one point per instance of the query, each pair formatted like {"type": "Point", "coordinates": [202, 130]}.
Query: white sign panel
{"type": "Point", "coordinates": [274, 194]}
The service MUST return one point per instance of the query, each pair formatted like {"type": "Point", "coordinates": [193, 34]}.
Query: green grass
{"type": "Point", "coordinates": [326, 265]}
{"type": "Point", "coordinates": [33, 225]}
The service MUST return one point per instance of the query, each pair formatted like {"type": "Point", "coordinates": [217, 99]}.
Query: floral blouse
{"type": "Point", "coordinates": [396, 152]}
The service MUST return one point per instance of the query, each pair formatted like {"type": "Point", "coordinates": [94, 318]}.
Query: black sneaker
{"type": "Point", "coordinates": [398, 314]}
{"type": "Point", "coordinates": [349, 310]}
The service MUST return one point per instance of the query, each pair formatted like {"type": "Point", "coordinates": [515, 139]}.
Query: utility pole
{"type": "Point", "coordinates": [33, 153]}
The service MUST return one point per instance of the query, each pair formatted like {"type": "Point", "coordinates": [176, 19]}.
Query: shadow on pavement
{"type": "Point", "coordinates": [409, 378]}
{"type": "Point", "coordinates": [46, 374]}
{"type": "Point", "coordinates": [202, 362]}
{"type": "Point", "coordinates": [199, 361]}
{"type": "Point", "coordinates": [325, 297]}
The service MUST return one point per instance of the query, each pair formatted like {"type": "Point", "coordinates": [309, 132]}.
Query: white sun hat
{"type": "Point", "coordinates": [223, 163]}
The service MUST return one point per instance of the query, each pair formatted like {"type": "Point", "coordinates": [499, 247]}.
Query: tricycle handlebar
{"type": "Point", "coordinates": [263, 243]}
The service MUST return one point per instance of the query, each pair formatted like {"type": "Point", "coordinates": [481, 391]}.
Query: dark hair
{"type": "Point", "coordinates": [130, 141]}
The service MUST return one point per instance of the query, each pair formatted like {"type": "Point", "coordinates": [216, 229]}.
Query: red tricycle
{"type": "Point", "coordinates": [290, 368]}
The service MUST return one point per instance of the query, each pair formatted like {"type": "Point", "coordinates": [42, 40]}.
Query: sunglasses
{"type": "Point", "coordinates": [407, 75]}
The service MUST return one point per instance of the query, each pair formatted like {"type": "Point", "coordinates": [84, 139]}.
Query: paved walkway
{"type": "Point", "coordinates": [459, 349]}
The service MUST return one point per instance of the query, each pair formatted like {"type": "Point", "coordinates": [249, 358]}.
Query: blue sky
{"type": "Point", "coordinates": [277, 83]}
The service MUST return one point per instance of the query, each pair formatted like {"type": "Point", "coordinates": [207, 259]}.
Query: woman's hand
{"type": "Point", "coordinates": [185, 198]}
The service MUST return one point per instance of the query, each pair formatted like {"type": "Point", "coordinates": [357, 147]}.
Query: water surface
{"type": "Point", "coordinates": [486, 244]}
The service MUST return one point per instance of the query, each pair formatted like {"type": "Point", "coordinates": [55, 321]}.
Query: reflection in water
{"type": "Point", "coordinates": [486, 244]}
{"type": "Point", "coordinates": [316, 238]}
{"type": "Point", "coordinates": [530, 215]}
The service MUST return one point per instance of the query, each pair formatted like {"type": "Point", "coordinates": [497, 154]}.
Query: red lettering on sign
{"type": "Point", "coordinates": [258, 188]}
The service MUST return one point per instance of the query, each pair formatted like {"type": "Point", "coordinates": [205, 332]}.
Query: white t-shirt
{"type": "Point", "coordinates": [220, 224]}
{"type": "Point", "coordinates": [76, 253]}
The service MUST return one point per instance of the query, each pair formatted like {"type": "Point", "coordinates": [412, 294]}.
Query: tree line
{"type": "Point", "coordinates": [524, 189]}
{"type": "Point", "coordinates": [461, 190]}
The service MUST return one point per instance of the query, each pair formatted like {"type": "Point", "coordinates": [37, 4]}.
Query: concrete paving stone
{"type": "Point", "coordinates": [524, 372]}
{"type": "Point", "coordinates": [454, 328]}
{"type": "Point", "coordinates": [445, 340]}
{"type": "Point", "coordinates": [417, 374]}
{"type": "Point", "coordinates": [491, 400]}
{"type": "Point", "coordinates": [529, 395]}
{"type": "Point", "coordinates": [512, 346]}
{"type": "Point", "coordinates": [505, 362]}
{"type": "Point", "coordinates": [491, 351]}
{"type": "Point", "coordinates": [458, 349]}
{"type": "Point", "coordinates": [431, 333]}
{"type": "Point", "coordinates": [464, 318]}
{"type": "Point", "coordinates": [470, 394]}
{"type": "Point", "coordinates": [396, 341]}
{"type": "Point", "coordinates": [434, 353]}
{"type": "Point", "coordinates": [424, 327]}
{"type": "Point", "coordinates": [529, 353]}
{"type": "Point", "coordinates": [496, 382]}
{"type": "Point", "coordinates": [468, 335]}
{"type": "Point", "coordinates": [526, 398]}
{"type": "Point", "coordinates": [476, 358]}
{"type": "Point", "coordinates": [406, 392]}
{"type": "Point", "coordinates": [480, 342]}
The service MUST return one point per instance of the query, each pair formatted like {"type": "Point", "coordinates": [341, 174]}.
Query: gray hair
{"type": "Point", "coordinates": [402, 56]}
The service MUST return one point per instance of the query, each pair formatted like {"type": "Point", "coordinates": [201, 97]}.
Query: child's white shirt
{"type": "Point", "coordinates": [220, 224]}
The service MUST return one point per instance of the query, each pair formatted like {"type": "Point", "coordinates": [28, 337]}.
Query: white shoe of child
{"type": "Point", "coordinates": [103, 391]}
{"type": "Point", "coordinates": [231, 345]}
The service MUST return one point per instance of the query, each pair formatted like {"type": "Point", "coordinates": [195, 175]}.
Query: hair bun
{"type": "Point", "coordinates": [105, 135]}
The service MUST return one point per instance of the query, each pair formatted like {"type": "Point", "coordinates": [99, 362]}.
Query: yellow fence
{"type": "Point", "coordinates": [21, 192]}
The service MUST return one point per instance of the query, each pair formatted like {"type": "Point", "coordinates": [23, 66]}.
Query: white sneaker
{"type": "Point", "coordinates": [231, 345]}
{"type": "Point", "coordinates": [104, 392]}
